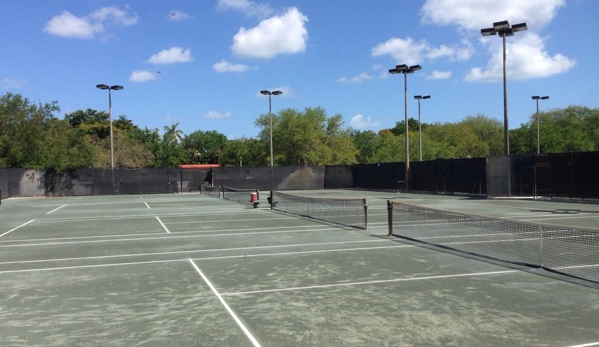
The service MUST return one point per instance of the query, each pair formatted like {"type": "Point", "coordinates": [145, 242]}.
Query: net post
{"type": "Point", "coordinates": [272, 202]}
{"type": "Point", "coordinates": [389, 218]}
{"type": "Point", "coordinates": [221, 191]}
{"type": "Point", "coordinates": [365, 214]}
{"type": "Point", "coordinates": [541, 246]}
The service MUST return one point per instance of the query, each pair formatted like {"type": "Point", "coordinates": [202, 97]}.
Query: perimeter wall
{"type": "Point", "coordinates": [563, 175]}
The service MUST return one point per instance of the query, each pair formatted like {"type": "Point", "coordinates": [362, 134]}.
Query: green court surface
{"type": "Point", "coordinates": [192, 270]}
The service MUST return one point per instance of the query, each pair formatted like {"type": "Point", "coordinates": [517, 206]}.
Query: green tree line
{"type": "Point", "coordinates": [31, 136]}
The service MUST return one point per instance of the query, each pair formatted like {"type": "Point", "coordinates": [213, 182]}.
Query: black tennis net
{"type": "Point", "coordinates": [570, 251]}
{"type": "Point", "coordinates": [347, 212]}
{"type": "Point", "coordinates": [244, 195]}
{"type": "Point", "coordinates": [213, 191]}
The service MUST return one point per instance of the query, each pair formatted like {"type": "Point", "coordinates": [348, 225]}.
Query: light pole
{"type": "Point", "coordinates": [503, 29]}
{"type": "Point", "coordinates": [115, 87]}
{"type": "Point", "coordinates": [404, 69]}
{"type": "Point", "coordinates": [537, 98]}
{"type": "Point", "coordinates": [269, 93]}
{"type": "Point", "coordinates": [420, 97]}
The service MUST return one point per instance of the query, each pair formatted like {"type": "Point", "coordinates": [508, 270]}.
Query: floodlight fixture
{"type": "Point", "coordinates": [503, 29]}
{"type": "Point", "coordinates": [537, 98]}
{"type": "Point", "coordinates": [405, 70]}
{"type": "Point", "coordinates": [106, 87]}
{"type": "Point", "coordinates": [269, 93]}
{"type": "Point", "coordinates": [420, 97]}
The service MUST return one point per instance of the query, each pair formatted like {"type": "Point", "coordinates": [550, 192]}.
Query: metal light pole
{"type": "Point", "coordinates": [269, 93]}
{"type": "Point", "coordinates": [537, 98]}
{"type": "Point", "coordinates": [115, 87]}
{"type": "Point", "coordinates": [420, 97]}
{"type": "Point", "coordinates": [404, 69]}
{"type": "Point", "coordinates": [503, 29]}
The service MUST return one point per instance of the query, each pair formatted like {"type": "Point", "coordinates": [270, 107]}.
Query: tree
{"type": "Point", "coordinates": [246, 151]}
{"type": "Point", "coordinates": [400, 127]}
{"type": "Point", "coordinates": [308, 138]}
{"type": "Point", "coordinates": [488, 130]}
{"type": "Point", "coordinates": [168, 152]}
{"type": "Point", "coordinates": [173, 133]}
{"type": "Point", "coordinates": [367, 143]}
{"type": "Point", "coordinates": [204, 147]}
{"type": "Point", "coordinates": [456, 141]}
{"type": "Point", "coordinates": [572, 129]}
{"type": "Point", "coordinates": [23, 129]}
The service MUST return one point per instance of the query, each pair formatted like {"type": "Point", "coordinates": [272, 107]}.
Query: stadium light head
{"type": "Point", "coordinates": [102, 86]}
{"type": "Point", "coordinates": [488, 32]}
{"type": "Point", "coordinates": [116, 87]}
{"type": "Point", "coordinates": [277, 92]}
{"type": "Point", "coordinates": [501, 25]}
{"type": "Point", "coordinates": [519, 27]}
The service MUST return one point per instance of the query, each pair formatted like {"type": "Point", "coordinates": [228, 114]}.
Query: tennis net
{"type": "Point", "coordinates": [347, 212]}
{"type": "Point", "coordinates": [570, 251]}
{"type": "Point", "coordinates": [213, 191]}
{"type": "Point", "coordinates": [244, 195]}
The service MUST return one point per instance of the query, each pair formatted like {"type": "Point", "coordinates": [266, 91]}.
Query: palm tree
{"type": "Point", "coordinates": [173, 133]}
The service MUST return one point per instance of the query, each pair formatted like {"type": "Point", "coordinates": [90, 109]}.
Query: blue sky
{"type": "Point", "coordinates": [202, 63]}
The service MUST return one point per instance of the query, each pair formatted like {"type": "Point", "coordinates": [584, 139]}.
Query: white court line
{"type": "Point", "coordinates": [223, 250]}
{"type": "Point", "coordinates": [143, 236]}
{"type": "Point", "coordinates": [371, 282]}
{"type": "Point", "coordinates": [56, 209]}
{"type": "Point", "coordinates": [587, 344]}
{"type": "Point", "coordinates": [240, 232]}
{"type": "Point", "coordinates": [147, 204]}
{"type": "Point", "coordinates": [222, 301]}
{"type": "Point", "coordinates": [159, 221]}
{"type": "Point", "coordinates": [22, 225]}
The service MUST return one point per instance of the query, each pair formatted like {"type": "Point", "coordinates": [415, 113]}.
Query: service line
{"type": "Point", "coordinates": [22, 225]}
{"type": "Point", "coordinates": [56, 209]}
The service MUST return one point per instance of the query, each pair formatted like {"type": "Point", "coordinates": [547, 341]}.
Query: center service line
{"type": "Point", "coordinates": [11, 230]}
{"type": "Point", "coordinates": [222, 301]}
{"type": "Point", "coordinates": [164, 226]}
{"type": "Point", "coordinates": [56, 209]}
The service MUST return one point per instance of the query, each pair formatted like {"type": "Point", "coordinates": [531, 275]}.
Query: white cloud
{"type": "Point", "coordinates": [171, 55]}
{"type": "Point", "coordinates": [249, 8]}
{"type": "Point", "coordinates": [217, 115]}
{"type": "Point", "coordinates": [114, 15]}
{"type": "Point", "coordinates": [285, 34]}
{"type": "Point", "coordinates": [225, 66]}
{"type": "Point", "coordinates": [9, 83]}
{"type": "Point", "coordinates": [140, 76]}
{"type": "Point", "coordinates": [526, 58]}
{"type": "Point", "coordinates": [356, 79]}
{"type": "Point", "coordinates": [360, 122]}
{"type": "Point", "coordinates": [526, 53]}
{"type": "Point", "coordinates": [439, 75]}
{"type": "Point", "coordinates": [478, 14]}
{"type": "Point", "coordinates": [177, 16]}
{"type": "Point", "coordinates": [86, 27]}
{"type": "Point", "coordinates": [411, 52]}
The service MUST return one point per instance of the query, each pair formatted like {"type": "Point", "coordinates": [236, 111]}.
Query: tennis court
{"type": "Point", "coordinates": [196, 270]}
